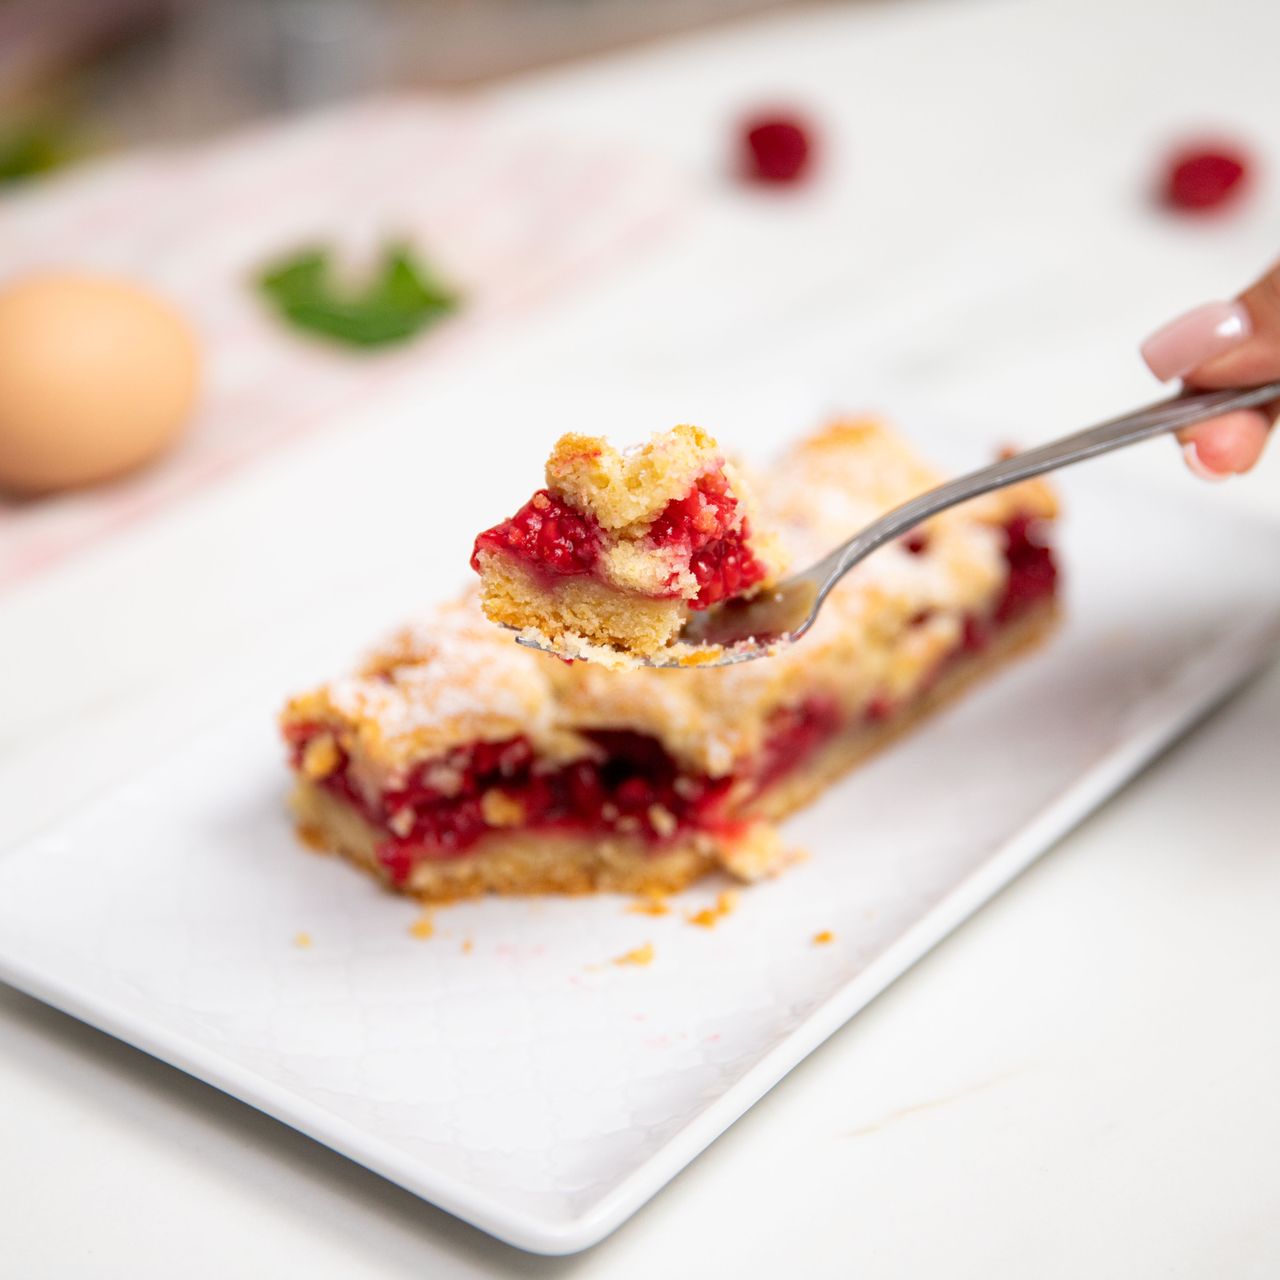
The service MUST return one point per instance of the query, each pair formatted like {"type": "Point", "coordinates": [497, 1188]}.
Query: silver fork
{"type": "Point", "coordinates": [742, 631]}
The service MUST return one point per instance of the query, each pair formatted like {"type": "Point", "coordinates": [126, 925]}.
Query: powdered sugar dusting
{"type": "Point", "coordinates": [443, 679]}
{"type": "Point", "coordinates": [422, 697]}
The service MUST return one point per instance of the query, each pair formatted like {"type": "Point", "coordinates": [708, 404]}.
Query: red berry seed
{"type": "Point", "coordinates": [1200, 178]}
{"type": "Point", "coordinates": [776, 149]}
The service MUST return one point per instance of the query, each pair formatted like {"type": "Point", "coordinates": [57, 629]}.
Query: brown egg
{"type": "Point", "coordinates": [97, 376]}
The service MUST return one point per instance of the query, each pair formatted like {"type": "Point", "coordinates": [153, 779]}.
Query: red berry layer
{"type": "Point", "coordinates": [702, 523]}
{"type": "Point", "coordinates": [548, 534]}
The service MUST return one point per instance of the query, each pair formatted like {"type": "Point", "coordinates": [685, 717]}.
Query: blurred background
{"type": "Point", "coordinates": [107, 72]}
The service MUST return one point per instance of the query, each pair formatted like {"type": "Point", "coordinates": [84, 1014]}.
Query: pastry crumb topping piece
{"type": "Point", "coordinates": [321, 757]}
{"type": "Point", "coordinates": [500, 809]}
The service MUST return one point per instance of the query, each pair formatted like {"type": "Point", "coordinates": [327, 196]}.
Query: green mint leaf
{"type": "Point", "coordinates": [33, 148]}
{"type": "Point", "coordinates": [403, 297]}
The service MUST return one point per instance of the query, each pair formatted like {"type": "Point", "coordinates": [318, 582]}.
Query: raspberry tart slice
{"type": "Point", "coordinates": [607, 561]}
{"type": "Point", "coordinates": [453, 763]}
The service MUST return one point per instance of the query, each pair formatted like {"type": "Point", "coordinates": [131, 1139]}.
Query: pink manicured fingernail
{"type": "Point", "coordinates": [1189, 341]}
{"type": "Point", "coordinates": [1195, 464]}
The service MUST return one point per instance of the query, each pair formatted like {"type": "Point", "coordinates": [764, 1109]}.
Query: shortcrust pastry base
{"type": "Point", "coordinates": [510, 862]}
{"type": "Point", "coordinates": [520, 862]}
{"type": "Point", "coordinates": [578, 614]}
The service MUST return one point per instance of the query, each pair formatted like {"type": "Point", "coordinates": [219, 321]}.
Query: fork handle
{"type": "Point", "coordinates": [1165, 415]}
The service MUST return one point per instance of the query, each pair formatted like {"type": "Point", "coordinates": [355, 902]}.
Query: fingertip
{"type": "Point", "coordinates": [1226, 446]}
{"type": "Point", "coordinates": [1191, 456]}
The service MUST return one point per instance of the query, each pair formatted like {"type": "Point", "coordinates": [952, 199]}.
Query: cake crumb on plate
{"type": "Point", "coordinates": [709, 917]}
{"type": "Point", "coordinates": [649, 905]}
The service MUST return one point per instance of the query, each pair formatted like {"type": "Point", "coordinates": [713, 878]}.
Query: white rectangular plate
{"type": "Point", "coordinates": [525, 1082]}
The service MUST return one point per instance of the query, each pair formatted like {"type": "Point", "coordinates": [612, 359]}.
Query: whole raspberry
{"type": "Point", "coordinates": [776, 149]}
{"type": "Point", "coordinates": [1201, 178]}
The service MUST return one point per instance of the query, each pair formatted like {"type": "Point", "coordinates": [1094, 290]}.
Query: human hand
{"type": "Point", "coordinates": [1224, 344]}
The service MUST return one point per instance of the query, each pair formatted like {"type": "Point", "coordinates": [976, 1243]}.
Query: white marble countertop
{"type": "Point", "coordinates": [1028, 1100]}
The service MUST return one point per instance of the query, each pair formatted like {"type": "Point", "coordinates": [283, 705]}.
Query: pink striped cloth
{"type": "Point", "coordinates": [508, 216]}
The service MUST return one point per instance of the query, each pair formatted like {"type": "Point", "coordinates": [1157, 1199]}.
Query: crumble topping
{"type": "Point", "coordinates": [443, 680]}
{"type": "Point", "coordinates": [632, 486]}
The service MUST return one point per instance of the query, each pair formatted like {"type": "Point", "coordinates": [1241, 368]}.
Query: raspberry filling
{"type": "Point", "coordinates": [556, 540]}
{"type": "Point", "coordinates": [703, 523]}
{"type": "Point", "coordinates": [631, 786]}
{"type": "Point", "coordinates": [548, 534]}
{"type": "Point", "coordinates": [1033, 572]}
